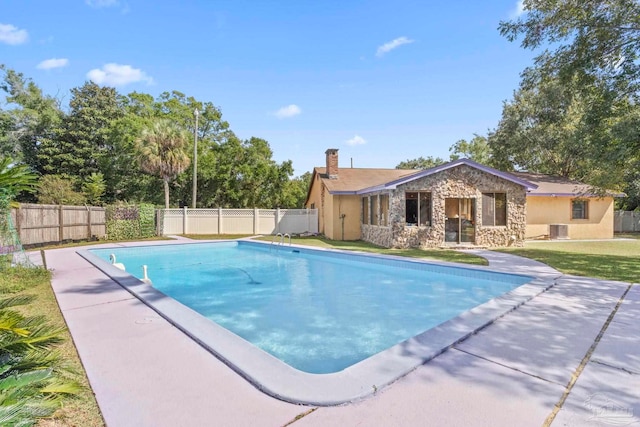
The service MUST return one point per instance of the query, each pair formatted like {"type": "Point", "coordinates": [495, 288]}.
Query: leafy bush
{"type": "Point", "coordinates": [57, 190]}
{"type": "Point", "coordinates": [30, 383]}
{"type": "Point", "coordinates": [130, 222]}
{"type": "Point", "coordinates": [147, 220]}
{"type": "Point", "coordinates": [93, 188]}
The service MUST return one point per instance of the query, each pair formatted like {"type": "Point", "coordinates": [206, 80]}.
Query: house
{"type": "Point", "coordinates": [458, 203]}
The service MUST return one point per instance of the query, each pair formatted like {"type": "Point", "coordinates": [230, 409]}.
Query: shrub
{"type": "Point", "coordinates": [130, 222]}
{"type": "Point", "coordinates": [57, 190]}
{"type": "Point", "coordinates": [147, 215]}
{"type": "Point", "coordinates": [30, 384]}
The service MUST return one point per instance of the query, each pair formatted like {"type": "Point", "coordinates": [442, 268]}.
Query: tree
{"type": "Point", "coordinates": [93, 188]}
{"type": "Point", "coordinates": [541, 130]}
{"type": "Point", "coordinates": [82, 142]}
{"type": "Point", "coordinates": [588, 40]}
{"type": "Point", "coordinates": [162, 152]}
{"type": "Point", "coordinates": [121, 166]}
{"type": "Point", "coordinates": [34, 120]}
{"type": "Point", "coordinates": [58, 190]}
{"type": "Point", "coordinates": [591, 58]}
{"type": "Point", "coordinates": [557, 129]}
{"type": "Point", "coordinates": [477, 149]}
{"type": "Point", "coordinates": [421, 163]}
{"type": "Point", "coordinates": [242, 174]}
{"type": "Point", "coordinates": [123, 176]}
{"type": "Point", "coordinates": [295, 191]}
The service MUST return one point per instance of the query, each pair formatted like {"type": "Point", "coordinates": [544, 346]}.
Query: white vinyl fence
{"type": "Point", "coordinates": [626, 221]}
{"type": "Point", "coordinates": [237, 221]}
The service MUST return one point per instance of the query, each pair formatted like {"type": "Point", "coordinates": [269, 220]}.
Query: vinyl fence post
{"type": "Point", "coordinates": [256, 220]}
{"type": "Point", "coordinates": [220, 221]}
{"type": "Point", "coordinates": [277, 220]}
{"type": "Point", "coordinates": [184, 220]}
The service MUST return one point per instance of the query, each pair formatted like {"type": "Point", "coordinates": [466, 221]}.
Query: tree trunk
{"type": "Point", "coordinates": [166, 193]}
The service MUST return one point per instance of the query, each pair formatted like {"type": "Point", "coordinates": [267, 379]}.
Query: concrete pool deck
{"type": "Point", "coordinates": [570, 355]}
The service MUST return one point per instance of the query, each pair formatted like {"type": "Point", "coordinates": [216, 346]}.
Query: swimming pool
{"type": "Point", "coordinates": [318, 311]}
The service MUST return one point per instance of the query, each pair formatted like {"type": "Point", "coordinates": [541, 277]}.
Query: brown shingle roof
{"type": "Point", "coordinates": [554, 185]}
{"type": "Point", "coordinates": [354, 179]}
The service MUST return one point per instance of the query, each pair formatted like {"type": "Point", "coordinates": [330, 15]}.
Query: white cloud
{"type": "Point", "coordinates": [389, 46]}
{"type": "Point", "coordinates": [102, 3]}
{"type": "Point", "coordinates": [118, 75]}
{"type": "Point", "coordinates": [288, 111]}
{"type": "Point", "coordinates": [48, 64]}
{"type": "Point", "coordinates": [518, 10]}
{"type": "Point", "coordinates": [12, 35]}
{"type": "Point", "coordinates": [356, 140]}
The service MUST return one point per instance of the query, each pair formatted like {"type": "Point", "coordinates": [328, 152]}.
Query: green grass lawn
{"type": "Point", "coordinates": [435, 254]}
{"type": "Point", "coordinates": [78, 410]}
{"type": "Point", "coordinates": [612, 259]}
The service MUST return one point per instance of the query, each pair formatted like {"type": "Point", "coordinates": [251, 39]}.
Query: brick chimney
{"type": "Point", "coordinates": [332, 163]}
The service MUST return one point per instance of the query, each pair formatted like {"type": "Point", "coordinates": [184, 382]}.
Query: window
{"type": "Point", "coordinates": [374, 209]}
{"type": "Point", "coordinates": [384, 210]}
{"type": "Point", "coordinates": [494, 209]}
{"type": "Point", "coordinates": [365, 210]}
{"type": "Point", "coordinates": [313, 205]}
{"type": "Point", "coordinates": [418, 208]}
{"type": "Point", "coordinates": [579, 209]}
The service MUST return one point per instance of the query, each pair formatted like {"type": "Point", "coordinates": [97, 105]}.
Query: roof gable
{"type": "Point", "coordinates": [391, 185]}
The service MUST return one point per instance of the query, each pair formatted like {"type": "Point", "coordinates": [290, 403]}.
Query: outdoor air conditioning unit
{"type": "Point", "coordinates": [558, 231]}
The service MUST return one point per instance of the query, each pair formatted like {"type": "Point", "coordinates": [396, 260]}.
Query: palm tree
{"type": "Point", "coordinates": [162, 152]}
{"type": "Point", "coordinates": [31, 381]}
{"type": "Point", "coordinates": [15, 178]}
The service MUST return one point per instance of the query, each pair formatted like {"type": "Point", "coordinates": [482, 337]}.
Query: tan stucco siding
{"type": "Point", "coordinates": [542, 211]}
{"type": "Point", "coordinates": [328, 214]}
{"type": "Point", "coordinates": [316, 200]}
{"type": "Point", "coordinates": [349, 206]}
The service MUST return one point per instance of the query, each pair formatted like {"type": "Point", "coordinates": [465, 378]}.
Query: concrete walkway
{"type": "Point", "coordinates": [570, 356]}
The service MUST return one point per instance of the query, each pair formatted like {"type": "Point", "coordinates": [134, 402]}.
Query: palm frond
{"type": "Point", "coordinates": [62, 387]}
{"type": "Point", "coordinates": [16, 301]}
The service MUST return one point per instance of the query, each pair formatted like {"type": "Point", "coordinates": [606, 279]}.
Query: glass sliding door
{"type": "Point", "coordinates": [460, 220]}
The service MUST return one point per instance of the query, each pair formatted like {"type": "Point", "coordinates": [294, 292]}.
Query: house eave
{"type": "Point", "coordinates": [575, 195]}
{"type": "Point", "coordinates": [343, 193]}
{"type": "Point", "coordinates": [504, 175]}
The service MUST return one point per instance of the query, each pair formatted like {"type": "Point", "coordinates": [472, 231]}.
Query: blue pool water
{"type": "Point", "coordinates": [318, 311]}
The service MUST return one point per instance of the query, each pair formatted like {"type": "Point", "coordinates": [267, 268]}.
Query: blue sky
{"type": "Point", "coordinates": [381, 81]}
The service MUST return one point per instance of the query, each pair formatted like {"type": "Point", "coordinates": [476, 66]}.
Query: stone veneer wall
{"type": "Point", "coordinates": [460, 182]}
{"type": "Point", "coordinates": [377, 235]}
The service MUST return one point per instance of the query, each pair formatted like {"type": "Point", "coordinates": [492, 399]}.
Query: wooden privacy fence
{"type": "Point", "coordinates": [38, 224]}
{"type": "Point", "coordinates": [237, 221]}
{"type": "Point", "coordinates": [626, 221]}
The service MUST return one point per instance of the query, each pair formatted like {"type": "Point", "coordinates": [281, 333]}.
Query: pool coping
{"type": "Point", "coordinates": [358, 381]}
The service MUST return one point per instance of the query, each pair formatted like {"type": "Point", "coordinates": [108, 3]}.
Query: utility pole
{"type": "Point", "coordinates": [195, 159]}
